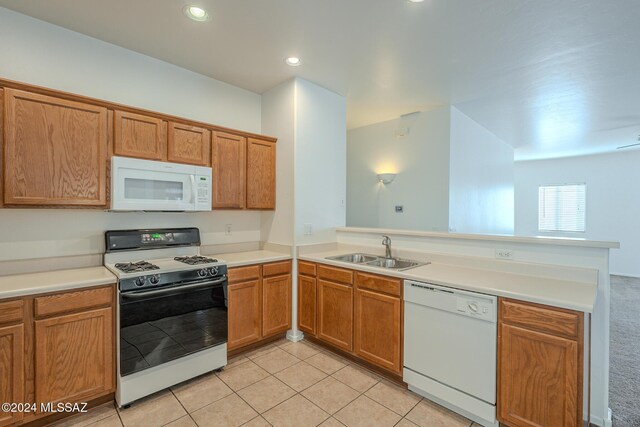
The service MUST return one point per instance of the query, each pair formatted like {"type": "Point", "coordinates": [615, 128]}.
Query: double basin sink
{"type": "Point", "coordinates": [398, 264]}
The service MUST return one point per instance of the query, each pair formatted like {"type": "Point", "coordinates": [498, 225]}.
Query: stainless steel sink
{"type": "Point", "coordinates": [395, 263]}
{"type": "Point", "coordinates": [355, 258]}
{"type": "Point", "coordinates": [377, 261]}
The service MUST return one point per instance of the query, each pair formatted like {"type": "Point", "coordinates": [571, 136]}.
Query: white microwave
{"type": "Point", "coordinates": [145, 185]}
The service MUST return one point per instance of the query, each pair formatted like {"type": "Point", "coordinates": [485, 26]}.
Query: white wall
{"type": "Point", "coordinates": [36, 52]}
{"type": "Point", "coordinates": [40, 53]}
{"type": "Point", "coordinates": [613, 200]}
{"type": "Point", "coordinates": [278, 118]}
{"type": "Point", "coordinates": [320, 162]}
{"type": "Point", "coordinates": [421, 161]}
{"type": "Point", "coordinates": [480, 179]}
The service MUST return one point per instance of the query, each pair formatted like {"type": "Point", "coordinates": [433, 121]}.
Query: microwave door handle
{"type": "Point", "coordinates": [194, 191]}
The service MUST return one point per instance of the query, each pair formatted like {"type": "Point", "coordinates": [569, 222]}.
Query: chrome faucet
{"type": "Point", "coordinates": [386, 241]}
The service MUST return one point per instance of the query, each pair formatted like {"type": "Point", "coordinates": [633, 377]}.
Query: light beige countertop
{"type": "Point", "coordinates": [578, 296]}
{"type": "Point", "coordinates": [237, 259]}
{"type": "Point", "coordinates": [52, 281]}
{"type": "Point", "coordinates": [62, 280]}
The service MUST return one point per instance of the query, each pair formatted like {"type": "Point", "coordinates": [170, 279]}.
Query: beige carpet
{"type": "Point", "coordinates": [624, 359]}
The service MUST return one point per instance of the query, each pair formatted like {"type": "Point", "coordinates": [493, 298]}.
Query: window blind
{"type": "Point", "coordinates": [562, 207]}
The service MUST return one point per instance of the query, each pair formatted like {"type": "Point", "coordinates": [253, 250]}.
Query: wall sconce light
{"type": "Point", "coordinates": [386, 178]}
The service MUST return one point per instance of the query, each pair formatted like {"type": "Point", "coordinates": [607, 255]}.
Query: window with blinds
{"type": "Point", "coordinates": [562, 207]}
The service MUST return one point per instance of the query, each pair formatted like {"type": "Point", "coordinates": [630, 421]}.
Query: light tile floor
{"type": "Point", "coordinates": [281, 384]}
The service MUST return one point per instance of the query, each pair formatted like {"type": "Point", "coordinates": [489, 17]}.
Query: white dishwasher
{"type": "Point", "coordinates": [450, 340]}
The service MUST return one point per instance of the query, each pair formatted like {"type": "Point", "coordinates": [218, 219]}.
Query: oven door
{"type": "Point", "coordinates": [157, 326]}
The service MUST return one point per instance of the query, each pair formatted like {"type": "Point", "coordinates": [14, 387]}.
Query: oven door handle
{"type": "Point", "coordinates": [174, 290]}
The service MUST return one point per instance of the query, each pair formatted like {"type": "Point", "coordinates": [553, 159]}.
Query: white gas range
{"type": "Point", "coordinates": [172, 311]}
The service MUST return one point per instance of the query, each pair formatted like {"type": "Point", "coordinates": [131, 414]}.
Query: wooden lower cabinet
{"type": "Point", "coordinates": [259, 303]}
{"type": "Point", "coordinates": [244, 313]}
{"type": "Point", "coordinates": [58, 347]}
{"type": "Point", "coordinates": [74, 356]}
{"type": "Point", "coordinates": [276, 304]}
{"type": "Point", "coordinates": [335, 314]}
{"type": "Point", "coordinates": [360, 313]}
{"type": "Point", "coordinates": [378, 329]}
{"type": "Point", "coordinates": [307, 304]}
{"type": "Point", "coordinates": [11, 370]}
{"type": "Point", "coordinates": [540, 366]}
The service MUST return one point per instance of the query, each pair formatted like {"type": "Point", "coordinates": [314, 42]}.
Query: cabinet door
{"type": "Point", "coordinates": [74, 356]}
{"type": "Point", "coordinates": [539, 379]}
{"type": "Point", "coordinates": [11, 370]}
{"type": "Point", "coordinates": [335, 314]}
{"type": "Point", "coordinates": [276, 304]}
{"type": "Point", "coordinates": [229, 170]}
{"type": "Point", "coordinates": [244, 313]}
{"type": "Point", "coordinates": [377, 329]}
{"type": "Point", "coordinates": [136, 135]}
{"type": "Point", "coordinates": [307, 304]}
{"type": "Point", "coordinates": [261, 174]}
{"type": "Point", "coordinates": [55, 151]}
{"type": "Point", "coordinates": [189, 144]}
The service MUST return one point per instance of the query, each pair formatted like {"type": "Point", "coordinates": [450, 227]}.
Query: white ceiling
{"type": "Point", "coordinates": [550, 77]}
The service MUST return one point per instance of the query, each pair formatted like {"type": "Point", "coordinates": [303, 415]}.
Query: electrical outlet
{"type": "Point", "coordinates": [504, 254]}
{"type": "Point", "coordinates": [227, 229]}
{"type": "Point", "coordinates": [308, 229]}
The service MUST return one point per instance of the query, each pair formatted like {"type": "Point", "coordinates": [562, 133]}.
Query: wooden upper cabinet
{"type": "Point", "coordinates": [140, 136]}
{"type": "Point", "coordinates": [189, 144]}
{"type": "Point", "coordinates": [55, 151]}
{"type": "Point", "coordinates": [74, 356]}
{"type": "Point", "coordinates": [229, 170]}
{"type": "Point", "coordinates": [11, 371]}
{"type": "Point", "coordinates": [276, 304]}
{"type": "Point", "coordinates": [261, 174]}
{"type": "Point", "coordinates": [539, 369]}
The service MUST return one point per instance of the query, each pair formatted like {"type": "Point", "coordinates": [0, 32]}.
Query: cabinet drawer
{"type": "Point", "coordinates": [11, 311]}
{"type": "Point", "coordinates": [335, 274]}
{"type": "Point", "coordinates": [241, 274]}
{"type": "Point", "coordinates": [276, 269]}
{"type": "Point", "coordinates": [73, 301]}
{"type": "Point", "coordinates": [378, 283]}
{"type": "Point", "coordinates": [541, 318]}
{"type": "Point", "coordinates": [307, 268]}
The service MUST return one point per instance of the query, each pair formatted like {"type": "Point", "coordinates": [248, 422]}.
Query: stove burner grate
{"type": "Point", "coordinates": [195, 259]}
{"type": "Point", "coordinates": [134, 267]}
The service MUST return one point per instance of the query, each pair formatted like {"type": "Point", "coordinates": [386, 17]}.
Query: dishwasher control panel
{"type": "Point", "coordinates": [465, 303]}
{"type": "Point", "coordinates": [473, 307]}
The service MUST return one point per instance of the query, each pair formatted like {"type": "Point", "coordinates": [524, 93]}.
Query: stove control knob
{"type": "Point", "coordinates": [202, 273]}
{"type": "Point", "coordinates": [213, 271]}
{"type": "Point", "coordinates": [139, 281]}
{"type": "Point", "coordinates": [154, 279]}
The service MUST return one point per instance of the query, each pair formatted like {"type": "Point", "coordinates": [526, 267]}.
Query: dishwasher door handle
{"type": "Point", "coordinates": [429, 288]}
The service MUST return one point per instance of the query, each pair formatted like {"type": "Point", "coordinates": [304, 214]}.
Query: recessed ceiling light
{"type": "Point", "coordinates": [196, 13]}
{"type": "Point", "coordinates": [416, 1]}
{"type": "Point", "coordinates": [294, 61]}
